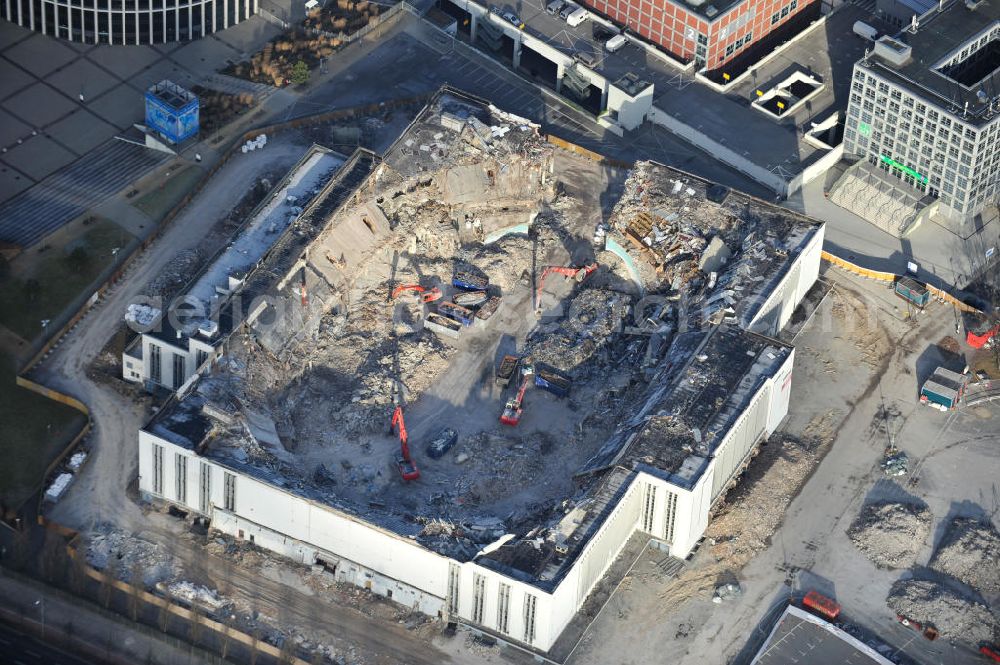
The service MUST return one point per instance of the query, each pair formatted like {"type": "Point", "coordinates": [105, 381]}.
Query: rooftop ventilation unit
{"type": "Point", "coordinates": [893, 51]}
{"type": "Point", "coordinates": [711, 11]}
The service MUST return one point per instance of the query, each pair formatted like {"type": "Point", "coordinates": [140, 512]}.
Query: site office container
{"type": "Point", "coordinates": [912, 291]}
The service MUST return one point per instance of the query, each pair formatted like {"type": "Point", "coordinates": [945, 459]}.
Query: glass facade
{"type": "Point", "coordinates": [127, 21]}
{"type": "Point", "coordinates": [934, 150]}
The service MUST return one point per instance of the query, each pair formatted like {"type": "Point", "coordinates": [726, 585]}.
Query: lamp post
{"type": "Point", "coordinates": [40, 603]}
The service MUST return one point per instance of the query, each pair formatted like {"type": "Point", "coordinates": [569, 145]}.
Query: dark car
{"type": "Point", "coordinates": [441, 443]}
{"type": "Point", "coordinates": [602, 33]}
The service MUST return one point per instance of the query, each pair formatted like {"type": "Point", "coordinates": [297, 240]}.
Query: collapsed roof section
{"type": "Point", "coordinates": [719, 251]}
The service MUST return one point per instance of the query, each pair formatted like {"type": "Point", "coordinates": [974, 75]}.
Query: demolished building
{"type": "Point", "coordinates": [282, 440]}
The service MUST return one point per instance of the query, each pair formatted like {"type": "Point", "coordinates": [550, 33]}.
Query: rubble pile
{"type": "Point", "coordinates": [970, 552]}
{"type": "Point", "coordinates": [113, 550]}
{"type": "Point", "coordinates": [934, 604]}
{"type": "Point", "coordinates": [891, 534]}
{"type": "Point", "coordinates": [178, 272]}
{"type": "Point", "coordinates": [196, 595]}
{"type": "Point", "coordinates": [592, 320]}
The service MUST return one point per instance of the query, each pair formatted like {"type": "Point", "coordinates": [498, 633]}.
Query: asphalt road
{"type": "Point", "coordinates": [17, 648]}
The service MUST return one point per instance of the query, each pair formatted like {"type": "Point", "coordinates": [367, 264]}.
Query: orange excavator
{"type": "Point", "coordinates": [407, 468]}
{"type": "Point", "coordinates": [577, 274]}
{"type": "Point", "coordinates": [512, 411]}
{"type": "Point", "coordinates": [427, 295]}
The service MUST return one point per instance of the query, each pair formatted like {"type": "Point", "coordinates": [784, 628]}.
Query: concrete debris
{"type": "Point", "coordinates": [933, 604]}
{"type": "Point", "coordinates": [143, 316]}
{"type": "Point", "coordinates": [970, 552]}
{"type": "Point", "coordinates": [113, 550]}
{"type": "Point", "coordinates": [195, 595]}
{"type": "Point", "coordinates": [891, 534]}
{"type": "Point", "coordinates": [896, 464]}
{"type": "Point", "coordinates": [180, 269]}
{"type": "Point", "coordinates": [592, 320]}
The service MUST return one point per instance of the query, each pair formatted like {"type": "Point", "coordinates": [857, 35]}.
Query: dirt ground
{"type": "Point", "coordinates": [856, 359]}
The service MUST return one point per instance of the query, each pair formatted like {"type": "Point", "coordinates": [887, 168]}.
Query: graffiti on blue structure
{"type": "Point", "coordinates": [175, 124]}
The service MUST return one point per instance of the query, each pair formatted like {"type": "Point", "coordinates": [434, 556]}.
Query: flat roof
{"type": "Point", "coordinates": [800, 637]}
{"type": "Point", "coordinates": [828, 53]}
{"type": "Point", "coordinates": [940, 37]}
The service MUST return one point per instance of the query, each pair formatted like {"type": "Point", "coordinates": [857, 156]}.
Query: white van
{"type": "Point", "coordinates": [577, 17]}
{"type": "Point", "coordinates": [615, 43]}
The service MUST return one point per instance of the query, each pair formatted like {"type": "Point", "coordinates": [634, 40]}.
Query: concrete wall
{"type": "Point", "coordinates": [786, 295]}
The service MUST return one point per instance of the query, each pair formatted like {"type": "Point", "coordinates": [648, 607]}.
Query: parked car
{"type": "Point", "coordinates": [578, 16]}
{"type": "Point", "coordinates": [513, 19]}
{"type": "Point", "coordinates": [442, 443]}
{"type": "Point", "coordinates": [602, 33]}
{"type": "Point", "coordinates": [615, 43]}
{"type": "Point", "coordinates": [495, 10]}
{"type": "Point", "coordinates": [554, 7]}
{"type": "Point", "coordinates": [586, 58]}
{"type": "Point", "coordinates": [567, 9]}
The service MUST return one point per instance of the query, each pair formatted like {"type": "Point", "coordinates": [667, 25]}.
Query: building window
{"type": "Point", "coordinates": [179, 370]}
{"type": "Point", "coordinates": [795, 3]}
{"type": "Point", "coordinates": [777, 17]}
{"type": "Point", "coordinates": [181, 477]}
{"type": "Point", "coordinates": [648, 506]}
{"type": "Point", "coordinates": [503, 607]}
{"type": "Point", "coordinates": [157, 469]}
{"type": "Point", "coordinates": [229, 487]}
{"type": "Point", "coordinates": [478, 597]}
{"type": "Point", "coordinates": [200, 357]}
{"type": "Point", "coordinates": [155, 368]}
{"type": "Point", "coordinates": [529, 618]}
{"type": "Point", "coordinates": [784, 12]}
{"type": "Point", "coordinates": [670, 518]}
{"type": "Point", "coordinates": [205, 488]}
{"type": "Point", "coordinates": [453, 578]}
{"type": "Point", "coordinates": [730, 49]}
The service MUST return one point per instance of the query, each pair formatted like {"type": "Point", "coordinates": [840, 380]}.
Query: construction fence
{"type": "Point", "coordinates": [889, 277]}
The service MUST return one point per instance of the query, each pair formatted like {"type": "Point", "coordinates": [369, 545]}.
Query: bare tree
{"type": "Point", "coordinates": [53, 562]}
{"type": "Point", "coordinates": [136, 587]}
{"type": "Point", "coordinates": [163, 615]}
{"type": "Point", "coordinates": [107, 582]}
{"type": "Point", "coordinates": [78, 571]}
{"type": "Point", "coordinates": [288, 651]}
{"type": "Point", "coordinates": [197, 625]}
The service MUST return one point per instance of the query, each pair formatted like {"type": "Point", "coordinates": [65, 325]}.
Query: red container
{"type": "Point", "coordinates": [821, 605]}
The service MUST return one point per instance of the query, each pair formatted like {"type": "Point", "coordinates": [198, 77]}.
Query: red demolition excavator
{"type": "Point", "coordinates": [427, 295]}
{"type": "Point", "coordinates": [577, 274]}
{"type": "Point", "coordinates": [407, 469]}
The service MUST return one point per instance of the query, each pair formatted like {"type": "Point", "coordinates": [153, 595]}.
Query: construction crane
{"type": "Point", "coordinates": [577, 274]}
{"type": "Point", "coordinates": [427, 295]}
{"type": "Point", "coordinates": [512, 411]}
{"type": "Point", "coordinates": [407, 468]}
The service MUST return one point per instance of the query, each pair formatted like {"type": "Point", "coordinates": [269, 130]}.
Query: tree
{"type": "Point", "coordinates": [300, 73]}
{"type": "Point", "coordinates": [78, 259]}
{"type": "Point", "coordinates": [32, 289]}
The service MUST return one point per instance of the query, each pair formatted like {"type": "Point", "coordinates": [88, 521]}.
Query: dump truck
{"type": "Point", "coordinates": [468, 281]}
{"type": "Point", "coordinates": [944, 389]}
{"type": "Point", "coordinates": [912, 291]}
{"type": "Point", "coordinates": [506, 369]}
{"type": "Point", "coordinates": [819, 604]}
{"type": "Point", "coordinates": [456, 312]}
{"type": "Point", "coordinates": [442, 325]}
{"type": "Point", "coordinates": [470, 298]}
{"type": "Point", "coordinates": [489, 308]}
{"type": "Point", "coordinates": [548, 379]}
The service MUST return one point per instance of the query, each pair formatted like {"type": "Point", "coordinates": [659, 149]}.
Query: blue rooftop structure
{"type": "Point", "coordinates": [171, 111]}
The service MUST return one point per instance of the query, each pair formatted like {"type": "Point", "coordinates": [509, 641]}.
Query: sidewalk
{"type": "Point", "coordinates": [79, 627]}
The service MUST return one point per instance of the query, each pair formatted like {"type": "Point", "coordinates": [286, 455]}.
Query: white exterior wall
{"type": "Point", "coordinates": [138, 370]}
{"type": "Point", "coordinates": [369, 557]}
{"type": "Point", "coordinates": [777, 309]}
